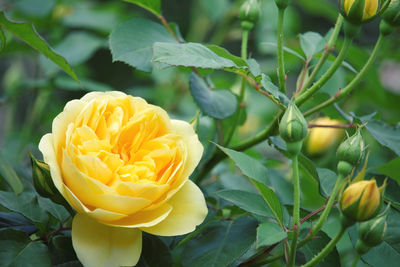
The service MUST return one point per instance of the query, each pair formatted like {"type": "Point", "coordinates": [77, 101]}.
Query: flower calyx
{"type": "Point", "coordinates": [293, 128]}
{"type": "Point", "coordinates": [350, 152]}
{"type": "Point", "coordinates": [391, 18]}
{"type": "Point", "coordinates": [282, 4]}
{"type": "Point", "coordinates": [249, 14]}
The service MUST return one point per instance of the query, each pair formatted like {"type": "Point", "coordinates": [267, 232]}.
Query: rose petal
{"type": "Point", "coordinates": [47, 149]}
{"type": "Point", "coordinates": [144, 218]}
{"type": "Point", "coordinates": [100, 245]}
{"type": "Point", "coordinates": [89, 191]}
{"type": "Point", "coordinates": [188, 210]}
{"type": "Point", "coordinates": [61, 122]}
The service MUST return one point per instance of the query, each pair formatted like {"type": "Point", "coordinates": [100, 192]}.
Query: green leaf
{"type": "Point", "coordinates": [385, 134]}
{"type": "Point", "coordinates": [18, 250]}
{"type": "Point", "coordinates": [311, 43]}
{"type": "Point", "coordinates": [310, 187]}
{"type": "Point", "coordinates": [26, 204]}
{"type": "Point", "coordinates": [249, 166]}
{"type": "Point", "coordinates": [189, 55]}
{"type": "Point", "coordinates": [16, 221]}
{"type": "Point", "coordinates": [27, 33]}
{"type": "Point", "coordinates": [269, 233]}
{"type": "Point", "coordinates": [154, 253]}
{"type": "Point", "coordinates": [57, 211]}
{"type": "Point", "coordinates": [61, 250]}
{"type": "Point", "coordinates": [271, 88]}
{"type": "Point", "coordinates": [219, 104]}
{"type": "Point", "coordinates": [220, 243]}
{"type": "Point", "coordinates": [154, 6]}
{"type": "Point", "coordinates": [391, 169]}
{"type": "Point", "coordinates": [250, 202]}
{"type": "Point", "coordinates": [132, 41]}
{"type": "Point", "coordinates": [327, 179]}
{"type": "Point", "coordinates": [222, 52]}
{"type": "Point", "coordinates": [271, 199]}
{"type": "Point", "coordinates": [8, 173]}
{"type": "Point", "coordinates": [77, 47]}
{"type": "Point", "coordinates": [313, 247]}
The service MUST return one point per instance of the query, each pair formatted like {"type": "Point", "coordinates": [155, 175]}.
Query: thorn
{"type": "Point", "coordinates": [337, 93]}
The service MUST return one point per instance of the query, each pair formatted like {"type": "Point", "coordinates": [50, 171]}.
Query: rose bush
{"type": "Point", "coordinates": [123, 165]}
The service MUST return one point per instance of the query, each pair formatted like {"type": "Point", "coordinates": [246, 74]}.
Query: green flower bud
{"type": "Point", "coordinates": [361, 201]}
{"type": "Point", "coordinates": [293, 126]}
{"type": "Point", "coordinates": [392, 14]}
{"type": "Point", "coordinates": [42, 179]}
{"type": "Point", "coordinates": [249, 13]}
{"type": "Point", "coordinates": [352, 149]}
{"type": "Point", "coordinates": [44, 185]}
{"type": "Point", "coordinates": [372, 232]}
{"type": "Point", "coordinates": [361, 248]}
{"type": "Point", "coordinates": [282, 4]}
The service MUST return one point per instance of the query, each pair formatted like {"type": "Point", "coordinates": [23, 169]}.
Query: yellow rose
{"type": "Point", "coordinates": [123, 165]}
{"type": "Point", "coordinates": [361, 200]}
{"type": "Point", "coordinates": [320, 139]}
{"type": "Point", "coordinates": [370, 8]}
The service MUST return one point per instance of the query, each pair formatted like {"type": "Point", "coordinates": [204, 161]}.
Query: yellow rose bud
{"type": "Point", "coordinates": [320, 139]}
{"type": "Point", "coordinates": [124, 166]}
{"type": "Point", "coordinates": [368, 8]}
{"type": "Point", "coordinates": [361, 201]}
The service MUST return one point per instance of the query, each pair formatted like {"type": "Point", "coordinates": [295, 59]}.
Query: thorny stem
{"type": "Point", "coordinates": [327, 50]}
{"type": "Point", "coordinates": [352, 85]}
{"type": "Point", "coordinates": [281, 60]}
{"type": "Point", "coordinates": [325, 251]}
{"type": "Point", "coordinates": [296, 209]}
{"type": "Point", "coordinates": [245, 38]}
{"type": "Point", "coordinates": [327, 75]}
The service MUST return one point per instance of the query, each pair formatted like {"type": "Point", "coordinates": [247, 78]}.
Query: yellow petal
{"type": "Point", "coordinates": [49, 155]}
{"type": "Point", "coordinates": [91, 192]}
{"type": "Point", "coordinates": [92, 95]}
{"type": "Point", "coordinates": [195, 148]}
{"type": "Point", "coordinates": [98, 214]}
{"type": "Point", "coordinates": [188, 210]}
{"type": "Point", "coordinates": [61, 122]}
{"type": "Point", "coordinates": [144, 218]}
{"type": "Point", "coordinates": [98, 245]}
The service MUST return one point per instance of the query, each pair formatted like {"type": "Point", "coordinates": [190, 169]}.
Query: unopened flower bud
{"type": "Point", "coordinates": [320, 139]}
{"type": "Point", "coordinates": [352, 149]}
{"type": "Point", "coordinates": [249, 13]}
{"type": "Point", "coordinates": [372, 232]}
{"type": "Point", "coordinates": [282, 4]}
{"type": "Point", "coordinates": [361, 201]}
{"type": "Point", "coordinates": [293, 128]}
{"type": "Point", "coordinates": [359, 11]}
{"type": "Point", "coordinates": [392, 14]}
